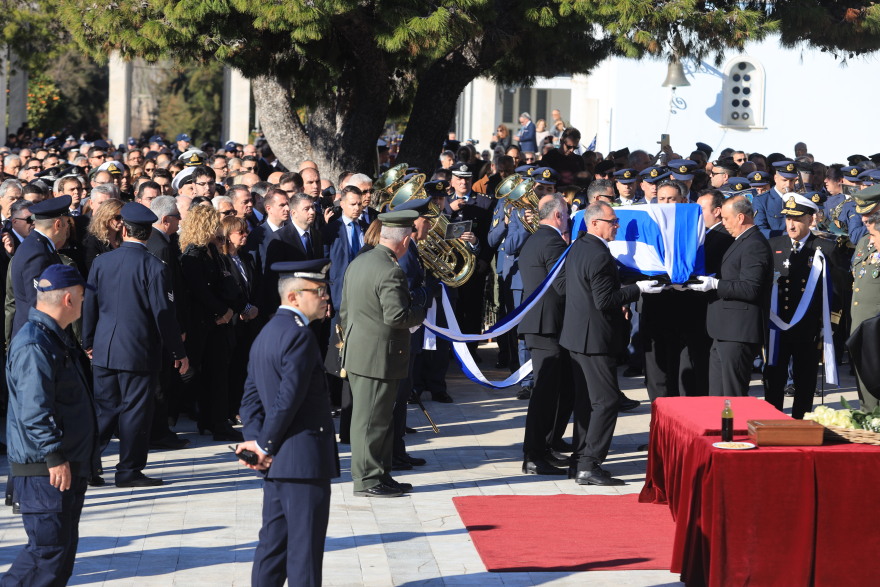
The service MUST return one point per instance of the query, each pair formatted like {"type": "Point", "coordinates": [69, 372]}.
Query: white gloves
{"type": "Point", "coordinates": [707, 283]}
{"type": "Point", "coordinates": [649, 286]}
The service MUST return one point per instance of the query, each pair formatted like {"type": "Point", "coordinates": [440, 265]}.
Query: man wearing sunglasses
{"type": "Point", "coordinates": [594, 294]}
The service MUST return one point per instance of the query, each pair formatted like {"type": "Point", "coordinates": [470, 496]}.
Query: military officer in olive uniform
{"type": "Point", "coordinates": [793, 254]}
{"type": "Point", "coordinates": [866, 276]}
{"type": "Point", "coordinates": [377, 312]}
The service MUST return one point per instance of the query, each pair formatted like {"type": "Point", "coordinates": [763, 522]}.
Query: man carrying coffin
{"type": "Point", "coordinates": [793, 255]}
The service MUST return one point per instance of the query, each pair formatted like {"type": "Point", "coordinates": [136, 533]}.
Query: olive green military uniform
{"type": "Point", "coordinates": [376, 314]}
{"type": "Point", "coordinates": [866, 297]}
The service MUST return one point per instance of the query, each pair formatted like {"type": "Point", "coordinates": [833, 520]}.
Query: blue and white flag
{"type": "Point", "coordinates": [592, 146]}
{"type": "Point", "coordinates": [658, 239]}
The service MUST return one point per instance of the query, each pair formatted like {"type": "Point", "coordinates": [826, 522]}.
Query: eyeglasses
{"type": "Point", "coordinates": [228, 213]}
{"type": "Point", "coordinates": [99, 156]}
{"type": "Point", "coordinates": [719, 173]}
{"type": "Point", "coordinates": [318, 291]}
{"type": "Point", "coordinates": [224, 168]}
{"type": "Point", "coordinates": [615, 222]}
{"type": "Point", "coordinates": [204, 183]}
{"type": "Point", "coordinates": [118, 217]}
{"type": "Point", "coordinates": [248, 168]}
{"type": "Point", "coordinates": [25, 220]}
{"type": "Point", "coordinates": [35, 167]}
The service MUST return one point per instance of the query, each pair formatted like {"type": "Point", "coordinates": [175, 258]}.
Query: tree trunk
{"type": "Point", "coordinates": [279, 121]}
{"type": "Point", "coordinates": [435, 101]}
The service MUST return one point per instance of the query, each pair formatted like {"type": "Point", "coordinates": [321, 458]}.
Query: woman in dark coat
{"type": "Point", "coordinates": [214, 299]}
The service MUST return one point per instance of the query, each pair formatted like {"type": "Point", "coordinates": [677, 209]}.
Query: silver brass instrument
{"type": "Point", "coordinates": [450, 261]}
{"type": "Point", "coordinates": [506, 186]}
{"type": "Point", "coordinates": [523, 196]}
{"type": "Point", "coordinates": [388, 183]}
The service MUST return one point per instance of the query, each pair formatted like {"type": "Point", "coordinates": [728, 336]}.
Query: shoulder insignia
{"type": "Point", "coordinates": [35, 284]}
{"type": "Point", "coordinates": [494, 223]}
{"type": "Point", "coordinates": [298, 320]}
{"type": "Point", "coordinates": [171, 296]}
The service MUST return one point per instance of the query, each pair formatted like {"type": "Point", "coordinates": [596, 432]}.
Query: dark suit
{"type": "Point", "coordinates": [738, 314]}
{"type": "Point", "coordinates": [247, 277]}
{"type": "Point", "coordinates": [283, 245]}
{"type": "Point", "coordinates": [800, 342]}
{"type": "Point", "coordinates": [34, 254]}
{"type": "Point", "coordinates": [594, 295]}
{"type": "Point", "coordinates": [552, 396]}
{"type": "Point", "coordinates": [126, 322]}
{"type": "Point", "coordinates": [166, 250]}
{"type": "Point", "coordinates": [338, 248]}
{"type": "Point", "coordinates": [286, 410]}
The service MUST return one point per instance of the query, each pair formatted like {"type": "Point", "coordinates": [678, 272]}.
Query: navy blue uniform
{"type": "Point", "coordinates": [34, 254]}
{"type": "Point", "coordinates": [126, 323]}
{"type": "Point", "coordinates": [768, 213]}
{"type": "Point", "coordinates": [286, 410]}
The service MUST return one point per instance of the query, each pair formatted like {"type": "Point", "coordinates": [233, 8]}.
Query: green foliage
{"type": "Point", "coordinates": [42, 102]}
{"type": "Point", "coordinates": [192, 103]}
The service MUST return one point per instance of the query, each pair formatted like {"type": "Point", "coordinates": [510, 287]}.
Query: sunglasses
{"type": "Point", "coordinates": [228, 213]}
{"type": "Point", "coordinates": [318, 291]}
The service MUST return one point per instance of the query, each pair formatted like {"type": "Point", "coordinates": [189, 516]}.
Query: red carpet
{"type": "Point", "coordinates": [568, 532]}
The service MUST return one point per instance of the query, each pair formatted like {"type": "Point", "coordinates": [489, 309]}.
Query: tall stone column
{"type": "Point", "coordinates": [18, 91]}
{"type": "Point", "coordinates": [4, 80]}
{"type": "Point", "coordinates": [119, 107]}
{"type": "Point", "coordinates": [236, 107]}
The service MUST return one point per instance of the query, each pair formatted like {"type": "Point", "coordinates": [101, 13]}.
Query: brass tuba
{"type": "Point", "coordinates": [388, 183]}
{"type": "Point", "coordinates": [506, 186]}
{"type": "Point", "coordinates": [523, 196]}
{"type": "Point", "coordinates": [450, 261]}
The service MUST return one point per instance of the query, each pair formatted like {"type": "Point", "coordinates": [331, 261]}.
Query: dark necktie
{"type": "Point", "coordinates": [307, 244]}
{"type": "Point", "coordinates": [355, 244]}
{"type": "Point", "coordinates": [796, 246]}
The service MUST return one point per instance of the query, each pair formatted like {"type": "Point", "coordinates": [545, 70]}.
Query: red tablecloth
{"type": "Point", "coordinates": [675, 422]}
{"type": "Point", "coordinates": [769, 516]}
{"type": "Point", "coordinates": [777, 515]}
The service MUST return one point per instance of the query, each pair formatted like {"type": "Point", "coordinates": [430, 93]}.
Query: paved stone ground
{"type": "Point", "coordinates": [200, 529]}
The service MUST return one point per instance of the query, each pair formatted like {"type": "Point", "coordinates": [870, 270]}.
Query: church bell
{"type": "Point", "coordinates": [675, 76]}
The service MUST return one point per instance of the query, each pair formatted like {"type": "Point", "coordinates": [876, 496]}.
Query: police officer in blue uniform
{"type": "Point", "coordinates": [768, 206]}
{"type": "Point", "coordinates": [287, 423]}
{"type": "Point", "coordinates": [36, 252]}
{"type": "Point", "coordinates": [126, 322]}
{"type": "Point", "coordinates": [51, 430]}
{"type": "Point", "coordinates": [508, 234]}
{"type": "Point", "coordinates": [420, 282]}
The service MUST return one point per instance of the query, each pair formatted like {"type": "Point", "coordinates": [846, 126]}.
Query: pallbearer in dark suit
{"type": "Point", "coordinates": [551, 400]}
{"type": "Point", "coordinates": [126, 322]}
{"type": "Point", "coordinates": [36, 252]}
{"type": "Point", "coordinates": [287, 422]}
{"type": "Point", "coordinates": [738, 314]}
{"type": "Point", "coordinates": [792, 259]}
{"type": "Point", "coordinates": [595, 333]}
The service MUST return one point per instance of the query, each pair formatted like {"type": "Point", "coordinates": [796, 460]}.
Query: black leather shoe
{"type": "Point", "coordinates": [16, 508]}
{"type": "Point", "coordinates": [557, 459]}
{"type": "Point", "coordinates": [409, 430]}
{"type": "Point", "coordinates": [524, 393]}
{"type": "Point", "coordinates": [541, 467]}
{"type": "Point", "coordinates": [398, 464]}
{"type": "Point", "coordinates": [96, 481]}
{"type": "Point", "coordinates": [625, 404]}
{"type": "Point", "coordinates": [597, 476]}
{"type": "Point", "coordinates": [380, 490]}
{"type": "Point", "coordinates": [415, 461]}
{"type": "Point", "coordinates": [8, 500]}
{"type": "Point", "coordinates": [789, 391]}
{"type": "Point", "coordinates": [142, 481]}
{"type": "Point", "coordinates": [414, 398]}
{"type": "Point", "coordinates": [817, 393]}
{"type": "Point", "coordinates": [392, 482]}
{"type": "Point", "coordinates": [442, 397]}
{"type": "Point", "coordinates": [171, 442]}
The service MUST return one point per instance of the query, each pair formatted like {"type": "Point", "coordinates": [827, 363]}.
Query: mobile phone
{"type": "Point", "coordinates": [248, 456]}
{"type": "Point", "coordinates": [664, 141]}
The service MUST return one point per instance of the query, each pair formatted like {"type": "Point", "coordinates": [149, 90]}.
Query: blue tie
{"type": "Point", "coordinates": [355, 244]}
{"type": "Point", "coordinates": [307, 244]}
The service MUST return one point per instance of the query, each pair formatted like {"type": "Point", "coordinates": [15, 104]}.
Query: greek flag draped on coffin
{"type": "Point", "coordinates": [658, 239]}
